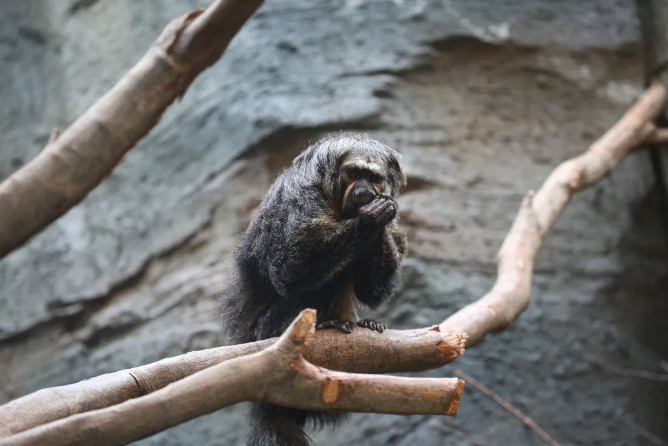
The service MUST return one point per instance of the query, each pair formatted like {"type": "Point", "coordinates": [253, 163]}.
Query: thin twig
{"type": "Point", "coordinates": [647, 435]}
{"type": "Point", "coordinates": [54, 135]}
{"type": "Point", "coordinates": [624, 371]}
{"type": "Point", "coordinates": [664, 365]}
{"type": "Point", "coordinates": [509, 407]}
{"type": "Point", "coordinates": [659, 136]}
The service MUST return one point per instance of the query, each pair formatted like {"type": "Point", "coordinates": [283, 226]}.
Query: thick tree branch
{"type": "Point", "coordinates": [363, 351]}
{"type": "Point", "coordinates": [74, 163]}
{"type": "Point", "coordinates": [277, 375]}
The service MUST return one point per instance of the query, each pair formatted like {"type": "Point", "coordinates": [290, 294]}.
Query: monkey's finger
{"type": "Point", "coordinates": [387, 213]}
{"type": "Point", "coordinates": [380, 208]}
{"type": "Point", "coordinates": [373, 206]}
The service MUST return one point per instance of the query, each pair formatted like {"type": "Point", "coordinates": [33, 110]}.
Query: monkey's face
{"type": "Point", "coordinates": [361, 181]}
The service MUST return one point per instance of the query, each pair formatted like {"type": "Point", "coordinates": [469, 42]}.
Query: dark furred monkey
{"type": "Point", "coordinates": [325, 235]}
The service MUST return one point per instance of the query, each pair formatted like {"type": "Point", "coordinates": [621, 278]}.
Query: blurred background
{"type": "Point", "coordinates": [482, 98]}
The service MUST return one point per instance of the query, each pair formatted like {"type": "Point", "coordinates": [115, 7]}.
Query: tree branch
{"type": "Point", "coordinates": [277, 375]}
{"type": "Point", "coordinates": [74, 163]}
{"type": "Point", "coordinates": [363, 351]}
{"type": "Point", "coordinates": [512, 291]}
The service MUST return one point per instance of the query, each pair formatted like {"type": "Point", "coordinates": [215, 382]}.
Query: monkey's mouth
{"type": "Point", "coordinates": [351, 204]}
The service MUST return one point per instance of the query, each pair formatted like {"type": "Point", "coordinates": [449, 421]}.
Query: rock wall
{"type": "Point", "coordinates": [483, 99]}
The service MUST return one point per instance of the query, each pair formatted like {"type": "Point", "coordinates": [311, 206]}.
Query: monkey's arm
{"type": "Point", "coordinates": [312, 246]}
{"type": "Point", "coordinates": [376, 272]}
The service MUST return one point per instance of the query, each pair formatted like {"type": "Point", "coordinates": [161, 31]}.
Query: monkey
{"type": "Point", "coordinates": [325, 236]}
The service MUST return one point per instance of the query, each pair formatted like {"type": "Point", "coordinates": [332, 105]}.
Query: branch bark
{"type": "Point", "coordinates": [74, 163]}
{"type": "Point", "coordinates": [277, 375]}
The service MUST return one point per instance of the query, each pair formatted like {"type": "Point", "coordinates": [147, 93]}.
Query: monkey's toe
{"type": "Point", "coordinates": [372, 325]}
{"type": "Point", "coordinates": [344, 326]}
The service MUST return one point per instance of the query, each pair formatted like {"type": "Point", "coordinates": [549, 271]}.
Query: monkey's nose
{"type": "Point", "coordinates": [364, 196]}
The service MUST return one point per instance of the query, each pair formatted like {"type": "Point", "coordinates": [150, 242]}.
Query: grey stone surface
{"type": "Point", "coordinates": [483, 99]}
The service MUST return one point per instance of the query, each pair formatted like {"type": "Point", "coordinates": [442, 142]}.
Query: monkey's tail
{"type": "Point", "coordinates": [277, 426]}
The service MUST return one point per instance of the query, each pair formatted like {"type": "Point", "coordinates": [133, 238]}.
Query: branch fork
{"type": "Point", "coordinates": [277, 375]}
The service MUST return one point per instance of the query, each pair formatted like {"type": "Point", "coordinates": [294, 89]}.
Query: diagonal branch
{"type": "Point", "coordinates": [74, 163]}
{"type": "Point", "coordinates": [512, 291]}
{"type": "Point", "coordinates": [531, 424]}
{"type": "Point", "coordinates": [277, 375]}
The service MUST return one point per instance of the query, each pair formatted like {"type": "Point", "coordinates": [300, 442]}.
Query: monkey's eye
{"type": "Point", "coordinates": [376, 178]}
{"type": "Point", "coordinates": [354, 174]}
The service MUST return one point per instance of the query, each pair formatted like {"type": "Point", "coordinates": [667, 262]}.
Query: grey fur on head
{"type": "Point", "coordinates": [320, 162]}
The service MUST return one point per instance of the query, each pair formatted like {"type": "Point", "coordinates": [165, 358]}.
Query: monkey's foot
{"type": "Point", "coordinates": [344, 326]}
{"type": "Point", "coordinates": [372, 325]}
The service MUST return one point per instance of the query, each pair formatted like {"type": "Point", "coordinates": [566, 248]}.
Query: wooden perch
{"type": "Point", "coordinates": [393, 351]}
{"type": "Point", "coordinates": [277, 375]}
{"type": "Point", "coordinates": [363, 351]}
{"type": "Point", "coordinates": [73, 163]}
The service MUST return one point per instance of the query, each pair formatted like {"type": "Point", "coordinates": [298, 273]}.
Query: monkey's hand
{"type": "Point", "coordinates": [380, 211]}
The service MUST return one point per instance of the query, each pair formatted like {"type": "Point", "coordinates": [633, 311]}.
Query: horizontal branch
{"type": "Point", "coordinates": [278, 375]}
{"type": "Point", "coordinates": [363, 351]}
{"type": "Point", "coordinates": [76, 161]}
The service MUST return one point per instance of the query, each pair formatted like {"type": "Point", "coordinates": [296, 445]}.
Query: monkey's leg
{"type": "Point", "coordinates": [372, 325]}
{"type": "Point", "coordinates": [344, 326]}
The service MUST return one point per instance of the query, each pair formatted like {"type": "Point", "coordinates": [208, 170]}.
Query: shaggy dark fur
{"type": "Point", "coordinates": [309, 245]}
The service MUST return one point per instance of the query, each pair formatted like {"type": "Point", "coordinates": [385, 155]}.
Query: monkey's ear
{"type": "Point", "coordinates": [397, 176]}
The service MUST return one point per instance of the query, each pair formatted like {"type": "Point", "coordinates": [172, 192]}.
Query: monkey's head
{"type": "Point", "coordinates": [352, 170]}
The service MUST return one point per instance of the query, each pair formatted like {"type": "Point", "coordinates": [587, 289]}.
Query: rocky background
{"type": "Point", "coordinates": [482, 98]}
